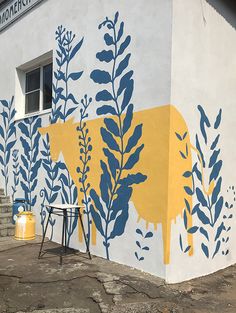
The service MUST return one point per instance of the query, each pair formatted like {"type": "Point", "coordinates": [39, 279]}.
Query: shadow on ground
{"type": "Point", "coordinates": [81, 285]}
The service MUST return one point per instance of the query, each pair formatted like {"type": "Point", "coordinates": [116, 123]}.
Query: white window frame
{"type": "Point", "coordinates": [20, 90]}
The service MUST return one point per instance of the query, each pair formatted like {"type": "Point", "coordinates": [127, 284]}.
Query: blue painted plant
{"type": "Point", "coordinates": [51, 191]}
{"type": "Point", "coordinates": [64, 102]}
{"type": "Point", "coordinates": [8, 138]}
{"type": "Point", "coordinates": [69, 194]}
{"type": "Point", "coordinates": [30, 161]}
{"type": "Point", "coordinates": [208, 210]}
{"type": "Point", "coordinates": [16, 171]}
{"type": "Point", "coordinates": [141, 244]}
{"type": "Point", "coordinates": [85, 157]}
{"type": "Point", "coordinates": [110, 212]}
{"type": "Point", "coordinates": [228, 216]}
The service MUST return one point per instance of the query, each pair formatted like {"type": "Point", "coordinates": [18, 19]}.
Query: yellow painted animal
{"type": "Point", "coordinates": [160, 199]}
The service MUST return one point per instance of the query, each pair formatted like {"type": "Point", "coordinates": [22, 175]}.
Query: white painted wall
{"type": "Point", "coordinates": [204, 72]}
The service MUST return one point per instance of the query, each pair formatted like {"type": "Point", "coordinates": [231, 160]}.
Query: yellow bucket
{"type": "Point", "coordinates": [25, 226]}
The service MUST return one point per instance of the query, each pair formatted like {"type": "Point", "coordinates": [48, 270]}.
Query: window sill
{"type": "Point", "coordinates": [33, 114]}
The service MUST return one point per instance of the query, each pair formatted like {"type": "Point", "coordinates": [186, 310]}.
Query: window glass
{"type": "Point", "coordinates": [32, 102]}
{"type": "Point", "coordinates": [33, 80]}
{"type": "Point", "coordinates": [47, 86]}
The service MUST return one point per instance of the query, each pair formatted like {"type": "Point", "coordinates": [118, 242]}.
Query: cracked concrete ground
{"type": "Point", "coordinates": [81, 285]}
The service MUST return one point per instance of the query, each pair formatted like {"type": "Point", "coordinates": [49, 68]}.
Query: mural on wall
{"type": "Point", "coordinates": [7, 138]}
{"type": "Point", "coordinates": [208, 209]}
{"type": "Point", "coordinates": [123, 164]}
{"type": "Point", "coordinates": [30, 161]}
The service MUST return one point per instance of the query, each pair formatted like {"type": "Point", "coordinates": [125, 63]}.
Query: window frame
{"type": "Point", "coordinates": [41, 94]}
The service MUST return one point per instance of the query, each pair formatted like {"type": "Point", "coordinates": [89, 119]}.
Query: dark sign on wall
{"type": "Point", "coordinates": [13, 10]}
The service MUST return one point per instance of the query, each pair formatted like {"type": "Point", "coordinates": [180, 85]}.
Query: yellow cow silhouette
{"type": "Point", "coordinates": [160, 199]}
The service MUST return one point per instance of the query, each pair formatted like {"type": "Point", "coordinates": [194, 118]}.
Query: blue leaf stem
{"type": "Point", "coordinates": [86, 147]}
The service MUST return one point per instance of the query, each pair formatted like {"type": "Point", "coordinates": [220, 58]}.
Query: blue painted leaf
{"type": "Point", "coordinates": [10, 145]}
{"type": "Point", "coordinates": [134, 158]}
{"type": "Point", "coordinates": [26, 147]}
{"type": "Point", "coordinates": [33, 201]}
{"type": "Point", "coordinates": [109, 139]}
{"type": "Point", "coordinates": [181, 242]}
{"type": "Point", "coordinates": [146, 248]}
{"type": "Point", "coordinates": [104, 95]}
{"type": "Point", "coordinates": [64, 179]}
{"type": "Point", "coordinates": [116, 17]}
{"type": "Point", "coordinates": [124, 82]}
{"type": "Point", "coordinates": [2, 132]}
{"type": "Point", "coordinates": [33, 186]}
{"type": "Point", "coordinates": [122, 66]}
{"type": "Point", "coordinates": [202, 217]}
{"type": "Point", "coordinates": [121, 202]}
{"type": "Point", "coordinates": [218, 119]}
{"type": "Point", "coordinates": [23, 174]}
{"type": "Point", "coordinates": [34, 170]}
{"type": "Point", "coordinates": [184, 135]}
{"type": "Point", "coordinates": [214, 157]}
{"type": "Point", "coordinates": [141, 259]}
{"type": "Point", "coordinates": [193, 230]}
{"type": "Point", "coordinates": [136, 254]}
{"type": "Point", "coordinates": [128, 118]}
{"type": "Point", "coordinates": [53, 198]}
{"type": "Point", "coordinates": [188, 190]}
{"type": "Point", "coordinates": [4, 103]}
{"type": "Point", "coordinates": [97, 203]}
{"type": "Point", "coordinates": [121, 31]}
{"type": "Point", "coordinates": [216, 191]}
{"type": "Point", "coordinates": [215, 171]}
{"type": "Point", "coordinates": [133, 179]}
{"type": "Point", "coordinates": [187, 249]}
{"type": "Point", "coordinates": [97, 220]}
{"type": "Point", "coordinates": [112, 161]}
{"type": "Point", "coordinates": [105, 56]}
{"type": "Point", "coordinates": [72, 98]}
{"type": "Point", "coordinates": [75, 76]}
{"type": "Point", "coordinates": [37, 124]}
{"type": "Point", "coordinates": [100, 77]}
{"type": "Point", "coordinates": [25, 188]}
{"type": "Point", "coordinates": [201, 197]}
{"type": "Point", "coordinates": [106, 174]}
{"type": "Point", "coordinates": [56, 188]}
{"type": "Point", "coordinates": [187, 174]}
{"type": "Point", "coordinates": [203, 121]}
{"type": "Point", "coordinates": [198, 173]}
{"type": "Point", "coordinates": [138, 244]}
{"type": "Point", "coordinates": [76, 49]}
{"type": "Point", "coordinates": [25, 161]}
{"type": "Point", "coordinates": [185, 220]}
{"type": "Point", "coordinates": [70, 111]}
{"type": "Point", "coordinates": [149, 235]}
{"type": "Point", "coordinates": [124, 45]}
{"type": "Point", "coordinates": [104, 190]}
{"type": "Point", "coordinates": [108, 39]}
{"type": "Point", "coordinates": [218, 208]}
{"type": "Point", "coordinates": [204, 232]}
{"type": "Point", "coordinates": [138, 231]}
{"type": "Point", "coordinates": [120, 223]}
{"type": "Point", "coordinates": [215, 142]}
{"type": "Point", "coordinates": [134, 138]}
{"type": "Point", "coordinates": [178, 136]}
{"type": "Point", "coordinates": [187, 205]}
{"type": "Point", "coordinates": [205, 250]}
{"type": "Point", "coordinates": [217, 248]}
{"type": "Point", "coordinates": [112, 126]}
{"type": "Point", "coordinates": [24, 129]}
{"type": "Point", "coordinates": [1, 147]}
{"type": "Point", "coordinates": [200, 151]}
{"type": "Point", "coordinates": [127, 95]}
{"type": "Point", "coordinates": [183, 155]}
{"type": "Point", "coordinates": [106, 109]}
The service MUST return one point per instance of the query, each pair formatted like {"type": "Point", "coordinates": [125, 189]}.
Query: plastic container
{"type": "Point", "coordinates": [25, 226]}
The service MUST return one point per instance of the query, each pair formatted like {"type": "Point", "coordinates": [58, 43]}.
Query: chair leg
{"type": "Point", "coordinates": [44, 234]}
{"type": "Point", "coordinates": [62, 238]}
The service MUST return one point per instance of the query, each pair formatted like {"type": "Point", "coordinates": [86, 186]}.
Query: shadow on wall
{"type": "Point", "coordinates": [226, 8]}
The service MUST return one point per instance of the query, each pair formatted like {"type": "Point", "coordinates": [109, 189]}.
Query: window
{"type": "Point", "coordinates": [38, 89]}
